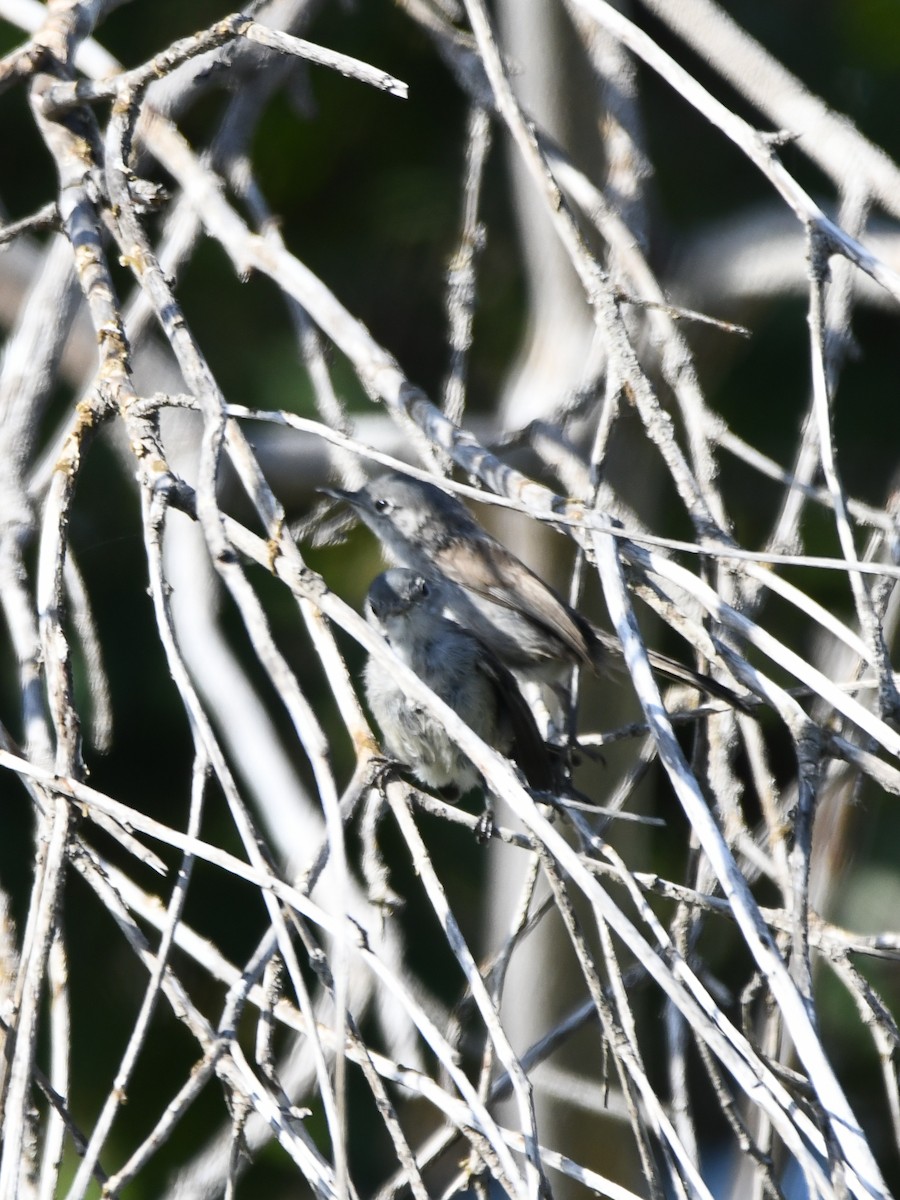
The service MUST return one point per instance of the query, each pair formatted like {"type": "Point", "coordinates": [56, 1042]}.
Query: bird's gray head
{"type": "Point", "coordinates": [399, 595]}
{"type": "Point", "coordinates": [410, 517]}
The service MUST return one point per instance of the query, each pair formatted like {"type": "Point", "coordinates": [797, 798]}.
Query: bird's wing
{"type": "Point", "coordinates": [488, 576]}
{"type": "Point", "coordinates": [529, 749]}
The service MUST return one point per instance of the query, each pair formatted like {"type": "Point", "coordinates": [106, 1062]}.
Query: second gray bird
{"type": "Point", "coordinates": [408, 610]}
{"type": "Point", "coordinates": [523, 620]}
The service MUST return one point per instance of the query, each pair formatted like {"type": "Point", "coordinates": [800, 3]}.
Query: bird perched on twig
{"type": "Point", "coordinates": [530, 628]}
{"type": "Point", "coordinates": [407, 609]}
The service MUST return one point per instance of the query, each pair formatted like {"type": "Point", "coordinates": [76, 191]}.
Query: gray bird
{"type": "Point", "coordinates": [407, 609]}
{"type": "Point", "coordinates": [530, 628]}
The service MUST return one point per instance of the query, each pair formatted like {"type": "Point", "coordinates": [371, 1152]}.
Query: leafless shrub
{"type": "Point", "coordinates": [695, 971]}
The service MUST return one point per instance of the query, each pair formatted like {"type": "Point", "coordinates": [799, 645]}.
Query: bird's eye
{"type": "Point", "coordinates": [424, 589]}
{"type": "Point", "coordinates": [381, 505]}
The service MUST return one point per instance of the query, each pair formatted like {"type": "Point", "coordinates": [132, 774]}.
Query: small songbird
{"type": "Point", "coordinates": [530, 628]}
{"type": "Point", "coordinates": [407, 609]}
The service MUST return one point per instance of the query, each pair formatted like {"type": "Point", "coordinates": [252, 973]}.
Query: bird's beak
{"type": "Point", "coordinates": [339, 494]}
